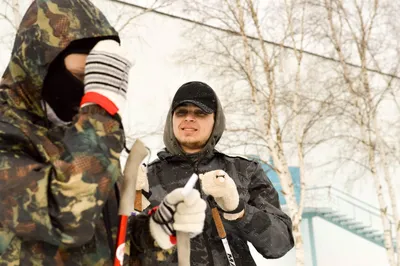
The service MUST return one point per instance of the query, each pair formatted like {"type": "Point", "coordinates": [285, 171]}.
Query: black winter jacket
{"type": "Point", "coordinates": [264, 224]}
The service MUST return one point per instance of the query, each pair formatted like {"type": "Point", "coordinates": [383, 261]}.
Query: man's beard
{"type": "Point", "coordinates": [193, 144]}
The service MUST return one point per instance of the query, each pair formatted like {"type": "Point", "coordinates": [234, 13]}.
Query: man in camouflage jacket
{"type": "Point", "coordinates": [194, 125]}
{"type": "Point", "coordinates": [60, 141]}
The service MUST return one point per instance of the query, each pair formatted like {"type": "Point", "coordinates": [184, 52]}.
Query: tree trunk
{"type": "Point", "coordinates": [391, 188]}
{"type": "Point", "coordinates": [387, 232]}
{"type": "Point", "coordinates": [282, 169]}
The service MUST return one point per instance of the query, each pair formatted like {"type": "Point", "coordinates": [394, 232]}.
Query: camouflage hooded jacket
{"type": "Point", "coordinates": [56, 182]}
{"type": "Point", "coordinates": [264, 224]}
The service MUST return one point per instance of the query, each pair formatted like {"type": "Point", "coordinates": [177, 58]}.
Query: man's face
{"type": "Point", "coordinates": [192, 127]}
{"type": "Point", "coordinates": [75, 63]}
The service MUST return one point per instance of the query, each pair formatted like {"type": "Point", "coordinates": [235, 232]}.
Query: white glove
{"type": "Point", "coordinates": [177, 213]}
{"type": "Point", "coordinates": [221, 186]}
{"type": "Point", "coordinates": [106, 76]}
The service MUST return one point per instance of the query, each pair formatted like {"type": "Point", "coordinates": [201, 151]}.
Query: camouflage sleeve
{"type": "Point", "coordinates": [264, 224]}
{"type": "Point", "coordinates": [54, 191]}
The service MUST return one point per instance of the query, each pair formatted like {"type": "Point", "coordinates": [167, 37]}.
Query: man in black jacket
{"type": "Point", "coordinates": [247, 201]}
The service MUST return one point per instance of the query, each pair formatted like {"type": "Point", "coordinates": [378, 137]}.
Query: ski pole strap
{"type": "Point", "coordinates": [139, 199]}
{"type": "Point", "coordinates": [213, 204]}
{"type": "Point", "coordinates": [238, 209]}
{"type": "Point", "coordinates": [146, 194]}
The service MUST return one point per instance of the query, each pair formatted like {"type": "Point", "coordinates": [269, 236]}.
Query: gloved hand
{"type": "Point", "coordinates": [106, 76]}
{"type": "Point", "coordinates": [221, 186]}
{"type": "Point", "coordinates": [177, 213]}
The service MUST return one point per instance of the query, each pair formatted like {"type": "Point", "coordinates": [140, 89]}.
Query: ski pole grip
{"type": "Point", "coordinates": [182, 238]}
{"type": "Point", "coordinates": [190, 185]}
{"type": "Point", "coordinates": [138, 201]}
{"type": "Point", "coordinates": [217, 217]}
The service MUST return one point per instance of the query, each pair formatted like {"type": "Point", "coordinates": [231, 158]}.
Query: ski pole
{"type": "Point", "coordinates": [182, 238]}
{"type": "Point", "coordinates": [136, 156]}
{"type": "Point", "coordinates": [221, 230]}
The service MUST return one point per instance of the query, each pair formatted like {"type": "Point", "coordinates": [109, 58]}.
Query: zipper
{"type": "Point", "coordinates": [198, 187]}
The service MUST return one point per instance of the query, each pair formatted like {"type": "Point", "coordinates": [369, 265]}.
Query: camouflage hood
{"type": "Point", "coordinates": [46, 172]}
{"type": "Point", "coordinates": [47, 28]}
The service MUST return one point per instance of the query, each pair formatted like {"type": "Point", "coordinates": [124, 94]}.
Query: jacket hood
{"type": "Point", "coordinates": [171, 143]}
{"type": "Point", "coordinates": [46, 29]}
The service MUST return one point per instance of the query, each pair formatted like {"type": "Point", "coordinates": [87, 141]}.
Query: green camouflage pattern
{"type": "Point", "coordinates": [54, 181]}
{"type": "Point", "coordinates": [46, 29]}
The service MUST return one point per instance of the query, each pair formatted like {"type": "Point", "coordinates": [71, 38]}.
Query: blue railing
{"type": "Point", "coordinates": [327, 197]}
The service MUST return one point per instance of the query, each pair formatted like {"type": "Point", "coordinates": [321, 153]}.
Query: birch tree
{"type": "Point", "coordinates": [265, 86]}
{"type": "Point", "coordinates": [354, 30]}
{"type": "Point", "coordinates": [127, 12]}
{"type": "Point", "coordinates": [10, 17]}
{"type": "Point", "coordinates": [11, 12]}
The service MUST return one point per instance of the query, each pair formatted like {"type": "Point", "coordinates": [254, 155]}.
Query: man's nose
{"type": "Point", "coordinates": [190, 116]}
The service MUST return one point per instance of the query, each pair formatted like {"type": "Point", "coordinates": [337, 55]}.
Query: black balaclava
{"type": "Point", "coordinates": [62, 91]}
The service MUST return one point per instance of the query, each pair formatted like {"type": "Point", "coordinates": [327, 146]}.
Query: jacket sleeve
{"type": "Point", "coordinates": [54, 191]}
{"type": "Point", "coordinates": [264, 224]}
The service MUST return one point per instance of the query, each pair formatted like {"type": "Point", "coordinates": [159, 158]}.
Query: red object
{"type": "Point", "coordinates": [152, 211]}
{"type": "Point", "coordinates": [103, 101]}
{"type": "Point", "coordinates": [172, 239]}
{"type": "Point", "coordinates": [123, 225]}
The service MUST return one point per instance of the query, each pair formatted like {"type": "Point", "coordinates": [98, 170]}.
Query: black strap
{"type": "Point", "coordinates": [159, 218]}
{"type": "Point", "coordinates": [146, 194]}
{"type": "Point", "coordinates": [238, 209]}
